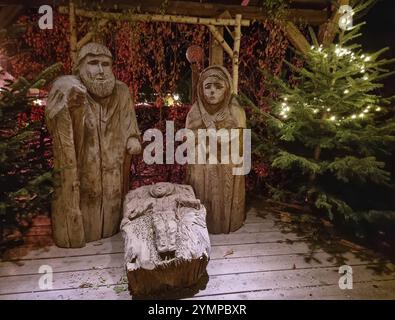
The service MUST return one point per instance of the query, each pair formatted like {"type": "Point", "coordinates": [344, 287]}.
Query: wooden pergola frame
{"type": "Point", "coordinates": [215, 25]}
{"type": "Point", "coordinates": [211, 23]}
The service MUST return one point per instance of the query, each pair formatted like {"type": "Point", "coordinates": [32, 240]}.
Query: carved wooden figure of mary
{"type": "Point", "coordinates": [221, 192]}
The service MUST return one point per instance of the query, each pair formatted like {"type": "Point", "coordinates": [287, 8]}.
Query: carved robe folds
{"type": "Point", "coordinates": [89, 144]}
{"type": "Point", "coordinates": [221, 192]}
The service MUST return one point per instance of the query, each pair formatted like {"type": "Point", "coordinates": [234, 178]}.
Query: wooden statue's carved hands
{"type": "Point", "coordinates": [76, 97]}
{"type": "Point", "coordinates": [133, 146]}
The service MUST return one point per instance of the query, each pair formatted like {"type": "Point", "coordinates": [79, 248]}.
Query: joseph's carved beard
{"type": "Point", "coordinates": [98, 87]}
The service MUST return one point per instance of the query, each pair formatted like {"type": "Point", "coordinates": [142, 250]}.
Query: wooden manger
{"type": "Point", "coordinates": [167, 245]}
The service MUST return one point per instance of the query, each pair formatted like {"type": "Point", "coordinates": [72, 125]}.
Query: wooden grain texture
{"type": "Point", "coordinates": [167, 245]}
{"type": "Point", "coordinates": [95, 133]}
{"type": "Point", "coordinates": [221, 192]}
{"type": "Point", "coordinates": [237, 270]}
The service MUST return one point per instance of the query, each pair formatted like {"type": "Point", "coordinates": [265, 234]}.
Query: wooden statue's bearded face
{"type": "Point", "coordinates": [96, 74]}
{"type": "Point", "coordinates": [214, 90]}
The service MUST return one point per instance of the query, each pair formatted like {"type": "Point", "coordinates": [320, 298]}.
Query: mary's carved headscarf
{"type": "Point", "coordinates": [205, 115]}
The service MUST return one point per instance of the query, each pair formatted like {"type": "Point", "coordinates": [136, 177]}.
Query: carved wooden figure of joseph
{"type": "Point", "coordinates": [91, 118]}
{"type": "Point", "coordinates": [221, 192]}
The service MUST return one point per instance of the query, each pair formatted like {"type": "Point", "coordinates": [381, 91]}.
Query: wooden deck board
{"type": "Point", "coordinates": [256, 262]}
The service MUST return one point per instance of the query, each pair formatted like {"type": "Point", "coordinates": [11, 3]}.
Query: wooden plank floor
{"type": "Point", "coordinates": [259, 261]}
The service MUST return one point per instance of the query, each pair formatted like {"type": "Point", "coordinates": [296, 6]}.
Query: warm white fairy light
{"type": "Point", "coordinates": [38, 102]}
{"type": "Point", "coordinates": [315, 109]}
{"type": "Point", "coordinates": [284, 108]}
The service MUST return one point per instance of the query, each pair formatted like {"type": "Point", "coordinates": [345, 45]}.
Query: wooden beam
{"type": "Point", "coordinates": [309, 11]}
{"type": "Point", "coordinates": [297, 39]}
{"type": "Point", "coordinates": [155, 18]}
{"type": "Point", "coordinates": [216, 51]}
{"type": "Point", "coordinates": [301, 13]}
{"type": "Point", "coordinates": [8, 14]}
{"type": "Point", "coordinates": [73, 32]}
{"type": "Point", "coordinates": [328, 30]}
{"type": "Point", "coordinates": [236, 51]}
{"type": "Point", "coordinates": [220, 40]}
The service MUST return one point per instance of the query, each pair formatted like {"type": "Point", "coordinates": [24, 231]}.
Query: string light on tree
{"type": "Point", "coordinates": [332, 131]}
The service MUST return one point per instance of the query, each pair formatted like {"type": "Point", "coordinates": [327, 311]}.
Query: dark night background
{"type": "Point", "coordinates": [379, 32]}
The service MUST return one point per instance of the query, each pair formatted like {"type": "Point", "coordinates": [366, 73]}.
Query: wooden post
{"type": "Point", "coordinates": [297, 39]}
{"type": "Point", "coordinates": [73, 33]}
{"type": "Point", "coordinates": [216, 50]}
{"type": "Point", "coordinates": [195, 78]}
{"type": "Point", "coordinates": [220, 40]}
{"type": "Point", "coordinates": [236, 50]}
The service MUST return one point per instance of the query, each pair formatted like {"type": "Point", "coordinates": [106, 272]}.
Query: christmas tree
{"type": "Point", "coordinates": [25, 174]}
{"type": "Point", "coordinates": [332, 130]}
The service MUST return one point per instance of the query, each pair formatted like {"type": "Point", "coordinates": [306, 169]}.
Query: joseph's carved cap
{"type": "Point", "coordinates": [91, 48]}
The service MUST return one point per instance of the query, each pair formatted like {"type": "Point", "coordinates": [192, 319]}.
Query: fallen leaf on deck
{"type": "Point", "coordinates": [119, 289]}
{"type": "Point", "coordinates": [351, 245]}
{"type": "Point", "coordinates": [326, 223]}
{"type": "Point", "coordinates": [228, 253]}
{"type": "Point", "coordinates": [285, 217]}
{"type": "Point", "coordinates": [86, 285]}
{"type": "Point", "coordinates": [98, 243]}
